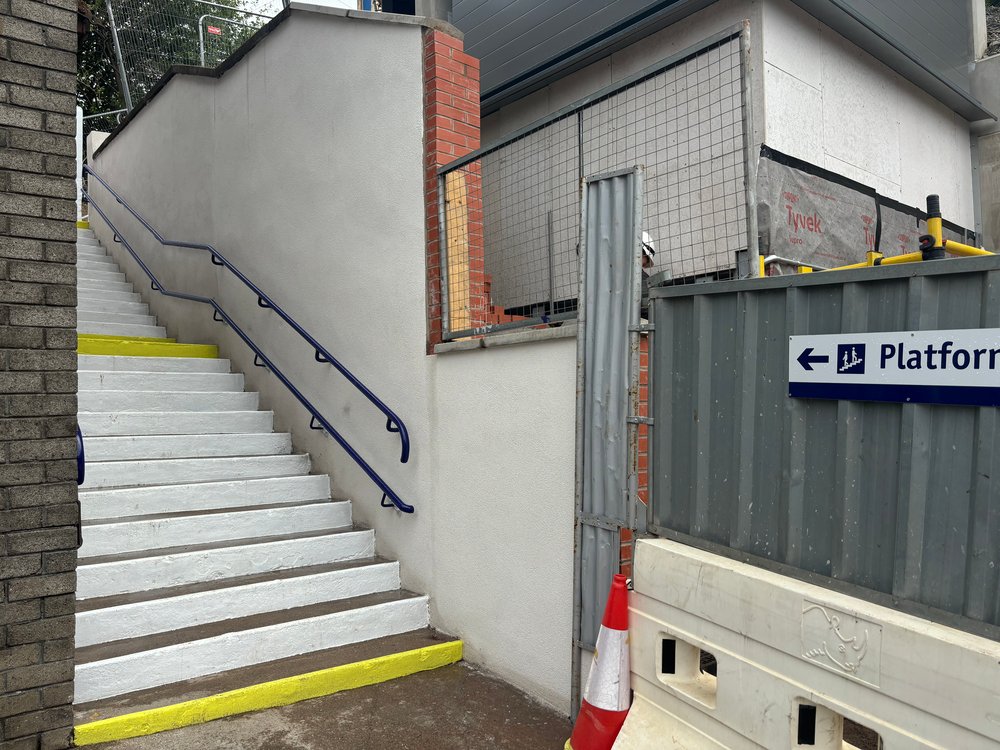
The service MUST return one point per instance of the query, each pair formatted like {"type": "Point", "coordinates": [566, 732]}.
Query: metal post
{"type": "Point", "coordinates": [443, 256]}
{"type": "Point", "coordinates": [118, 54]}
{"type": "Point", "coordinates": [750, 158]}
{"type": "Point", "coordinates": [552, 280]}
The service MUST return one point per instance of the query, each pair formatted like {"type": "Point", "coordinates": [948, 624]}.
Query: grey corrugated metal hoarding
{"type": "Point", "coordinates": [607, 389]}
{"type": "Point", "coordinates": [895, 502]}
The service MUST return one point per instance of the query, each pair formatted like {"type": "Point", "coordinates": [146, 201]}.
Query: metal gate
{"type": "Point", "coordinates": [607, 391]}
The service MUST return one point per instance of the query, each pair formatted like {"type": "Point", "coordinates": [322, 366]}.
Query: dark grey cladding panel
{"type": "Point", "coordinates": [513, 38]}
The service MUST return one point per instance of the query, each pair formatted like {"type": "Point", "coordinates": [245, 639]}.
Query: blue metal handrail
{"type": "Point", "coordinates": [81, 461]}
{"type": "Point", "coordinates": [318, 421]}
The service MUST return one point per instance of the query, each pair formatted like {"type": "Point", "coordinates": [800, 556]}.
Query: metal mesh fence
{"type": "Point", "coordinates": [514, 259]}
{"type": "Point", "coordinates": [156, 34]}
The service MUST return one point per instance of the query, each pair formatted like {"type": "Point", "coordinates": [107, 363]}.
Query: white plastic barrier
{"type": "Point", "coordinates": [793, 661]}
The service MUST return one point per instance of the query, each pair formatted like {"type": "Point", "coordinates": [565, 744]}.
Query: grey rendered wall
{"type": "Point", "coordinates": [38, 510]}
{"type": "Point", "coordinates": [898, 500]}
{"type": "Point", "coordinates": [303, 164]}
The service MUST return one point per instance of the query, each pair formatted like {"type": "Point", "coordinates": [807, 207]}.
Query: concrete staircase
{"type": "Point", "coordinates": [207, 544]}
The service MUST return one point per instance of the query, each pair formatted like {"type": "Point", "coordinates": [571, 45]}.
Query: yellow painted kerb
{"type": "Point", "coordinates": [82, 224]}
{"type": "Point", "coordinates": [269, 694]}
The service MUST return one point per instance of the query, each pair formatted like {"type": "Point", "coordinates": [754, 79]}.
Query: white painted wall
{"type": "Point", "coordinates": [303, 165]}
{"type": "Point", "coordinates": [831, 103]}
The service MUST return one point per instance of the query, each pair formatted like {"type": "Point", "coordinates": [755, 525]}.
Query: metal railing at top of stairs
{"type": "Point", "coordinates": [318, 421]}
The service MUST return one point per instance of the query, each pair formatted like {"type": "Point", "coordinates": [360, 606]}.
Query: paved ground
{"type": "Point", "coordinates": [453, 708]}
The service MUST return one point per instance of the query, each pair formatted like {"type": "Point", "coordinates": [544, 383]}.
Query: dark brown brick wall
{"type": "Point", "coordinates": [38, 510]}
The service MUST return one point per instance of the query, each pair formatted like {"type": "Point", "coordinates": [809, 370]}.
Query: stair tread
{"type": "Point", "coordinates": [221, 682]}
{"type": "Point", "coordinates": [118, 600]}
{"type": "Point", "coordinates": [204, 512]}
{"type": "Point", "coordinates": [166, 551]}
{"type": "Point", "coordinates": [103, 651]}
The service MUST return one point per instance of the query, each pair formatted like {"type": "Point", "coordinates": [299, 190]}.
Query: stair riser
{"type": "Point", "coordinates": [112, 306]}
{"type": "Point", "coordinates": [160, 381]}
{"type": "Point", "coordinates": [121, 329]}
{"type": "Point", "coordinates": [102, 296]}
{"type": "Point", "coordinates": [107, 424]}
{"type": "Point", "coordinates": [164, 571]}
{"type": "Point", "coordinates": [150, 401]}
{"type": "Point", "coordinates": [180, 498]}
{"type": "Point", "coordinates": [106, 317]}
{"type": "Point", "coordinates": [144, 670]}
{"type": "Point", "coordinates": [185, 446]}
{"type": "Point", "coordinates": [161, 615]}
{"type": "Point", "coordinates": [145, 473]}
{"type": "Point", "coordinates": [106, 273]}
{"type": "Point", "coordinates": [95, 262]}
{"type": "Point", "coordinates": [99, 285]}
{"type": "Point", "coordinates": [151, 364]}
{"type": "Point", "coordinates": [161, 533]}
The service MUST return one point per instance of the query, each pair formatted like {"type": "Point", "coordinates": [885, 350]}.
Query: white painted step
{"type": "Point", "coordinates": [122, 329]}
{"type": "Point", "coordinates": [165, 401]}
{"type": "Point", "coordinates": [102, 285]}
{"type": "Point", "coordinates": [135, 619]}
{"type": "Point", "coordinates": [183, 423]}
{"type": "Point", "coordinates": [151, 364]}
{"type": "Point", "coordinates": [91, 252]}
{"type": "Point", "coordinates": [107, 317]}
{"type": "Point", "coordinates": [117, 538]}
{"type": "Point", "coordinates": [130, 448]}
{"type": "Point", "coordinates": [125, 307]}
{"type": "Point", "coordinates": [176, 568]}
{"type": "Point", "coordinates": [92, 380]}
{"type": "Point", "coordinates": [91, 262]}
{"type": "Point", "coordinates": [99, 274]}
{"type": "Point", "coordinates": [183, 470]}
{"type": "Point", "coordinates": [181, 498]}
{"type": "Point", "coordinates": [87, 239]}
{"type": "Point", "coordinates": [103, 296]}
{"type": "Point", "coordinates": [185, 661]}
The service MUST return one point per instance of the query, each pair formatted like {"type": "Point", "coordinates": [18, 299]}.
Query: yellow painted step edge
{"type": "Point", "coordinates": [143, 348]}
{"type": "Point", "coordinates": [269, 694]}
{"type": "Point", "coordinates": [82, 224]}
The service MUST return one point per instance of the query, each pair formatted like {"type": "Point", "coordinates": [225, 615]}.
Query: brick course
{"type": "Point", "coordinates": [38, 509]}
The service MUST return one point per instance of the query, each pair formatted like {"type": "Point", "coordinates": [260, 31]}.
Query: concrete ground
{"type": "Point", "coordinates": [452, 708]}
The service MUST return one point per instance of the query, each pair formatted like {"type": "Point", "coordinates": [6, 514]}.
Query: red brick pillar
{"type": "Point", "coordinates": [451, 130]}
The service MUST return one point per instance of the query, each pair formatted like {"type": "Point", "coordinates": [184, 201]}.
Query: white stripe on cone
{"type": "Point", "coordinates": [608, 685]}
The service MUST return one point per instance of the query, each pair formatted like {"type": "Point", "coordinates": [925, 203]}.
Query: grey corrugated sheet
{"type": "Point", "coordinates": [896, 499]}
{"type": "Point", "coordinates": [610, 305]}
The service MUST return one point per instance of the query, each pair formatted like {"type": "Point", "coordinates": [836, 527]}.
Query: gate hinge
{"type": "Point", "coordinates": [639, 420]}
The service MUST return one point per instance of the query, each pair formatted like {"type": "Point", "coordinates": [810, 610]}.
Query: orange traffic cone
{"type": "Point", "coordinates": [607, 697]}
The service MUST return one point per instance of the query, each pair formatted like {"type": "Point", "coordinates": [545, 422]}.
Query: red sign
{"type": "Point", "coordinates": [214, 30]}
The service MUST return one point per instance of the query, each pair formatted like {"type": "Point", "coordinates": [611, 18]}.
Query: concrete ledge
{"type": "Point", "coordinates": [257, 38]}
{"type": "Point", "coordinates": [528, 336]}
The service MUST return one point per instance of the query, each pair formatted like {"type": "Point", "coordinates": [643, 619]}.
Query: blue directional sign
{"type": "Point", "coordinates": [933, 367]}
